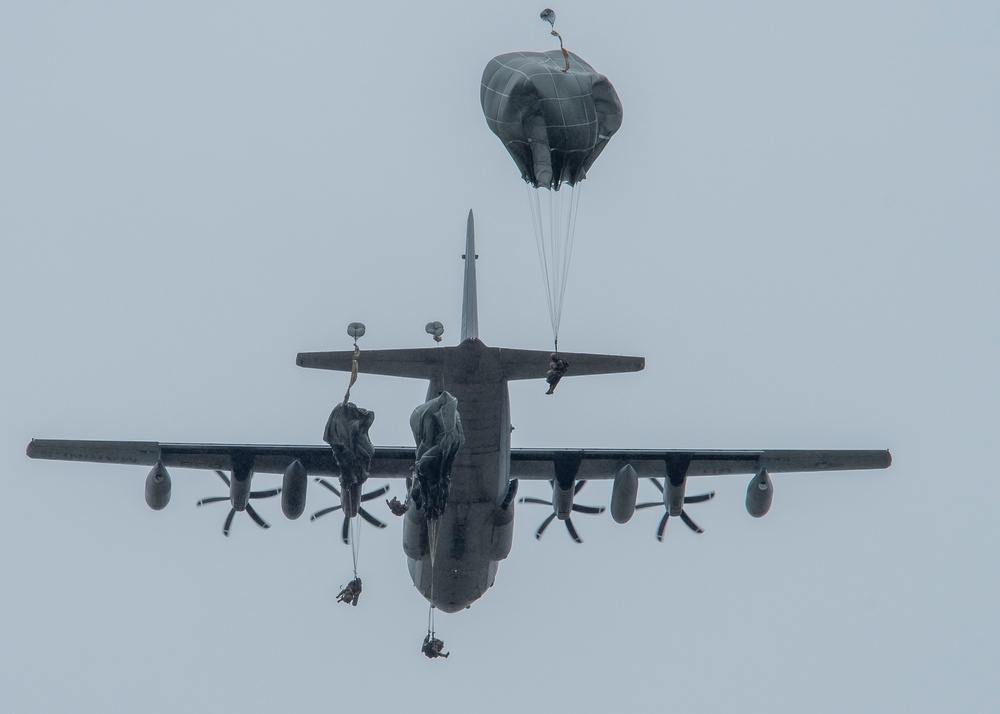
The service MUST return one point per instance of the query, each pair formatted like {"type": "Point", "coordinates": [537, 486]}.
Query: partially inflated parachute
{"type": "Point", "coordinates": [554, 121]}
{"type": "Point", "coordinates": [554, 114]}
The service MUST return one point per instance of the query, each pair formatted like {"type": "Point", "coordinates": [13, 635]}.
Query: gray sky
{"type": "Point", "coordinates": [797, 226]}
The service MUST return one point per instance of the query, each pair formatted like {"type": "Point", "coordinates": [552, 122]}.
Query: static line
{"type": "Point", "coordinates": [355, 541]}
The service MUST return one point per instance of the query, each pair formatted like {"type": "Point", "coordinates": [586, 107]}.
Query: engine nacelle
{"type": "Point", "coordinates": [562, 500]}
{"type": "Point", "coordinates": [760, 492]}
{"type": "Point", "coordinates": [673, 496]}
{"type": "Point", "coordinates": [158, 487]}
{"type": "Point", "coordinates": [623, 494]}
{"type": "Point", "coordinates": [293, 490]}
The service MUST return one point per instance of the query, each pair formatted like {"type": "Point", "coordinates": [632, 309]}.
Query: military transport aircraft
{"type": "Point", "coordinates": [475, 524]}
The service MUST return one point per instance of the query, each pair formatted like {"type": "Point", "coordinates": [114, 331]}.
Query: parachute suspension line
{"type": "Point", "coordinates": [354, 372]}
{"type": "Point", "coordinates": [543, 259]}
{"type": "Point", "coordinates": [432, 541]}
{"type": "Point", "coordinates": [570, 223]}
{"type": "Point", "coordinates": [355, 541]}
{"type": "Point", "coordinates": [554, 234]}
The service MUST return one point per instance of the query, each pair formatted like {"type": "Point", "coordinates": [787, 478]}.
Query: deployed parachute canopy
{"type": "Point", "coordinates": [553, 121]}
{"type": "Point", "coordinates": [554, 114]}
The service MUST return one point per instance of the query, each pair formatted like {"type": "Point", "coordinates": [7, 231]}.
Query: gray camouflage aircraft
{"type": "Point", "coordinates": [462, 479]}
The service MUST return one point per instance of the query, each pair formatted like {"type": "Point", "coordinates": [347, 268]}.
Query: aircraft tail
{"type": "Point", "coordinates": [470, 306]}
{"type": "Point", "coordinates": [431, 362]}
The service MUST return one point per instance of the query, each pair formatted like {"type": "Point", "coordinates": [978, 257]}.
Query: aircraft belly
{"type": "Point", "coordinates": [462, 569]}
{"type": "Point", "coordinates": [473, 533]}
{"type": "Point", "coordinates": [481, 468]}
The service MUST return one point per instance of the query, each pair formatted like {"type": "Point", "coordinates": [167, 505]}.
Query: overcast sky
{"type": "Point", "coordinates": [797, 225]}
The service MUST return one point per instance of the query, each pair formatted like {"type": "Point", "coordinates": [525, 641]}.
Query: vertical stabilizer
{"type": "Point", "coordinates": [470, 307]}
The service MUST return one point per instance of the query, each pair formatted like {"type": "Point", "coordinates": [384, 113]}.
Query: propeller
{"type": "Point", "coordinates": [569, 521]}
{"type": "Point", "coordinates": [361, 511]}
{"type": "Point", "coordinates": [232, 511]}
{"type": "Point", "coordinates": [701, 498]}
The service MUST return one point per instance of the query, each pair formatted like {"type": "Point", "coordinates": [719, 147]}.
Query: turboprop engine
{"type": "Point", "coordinates": [158, 487]}
{"type": "Point", "coordinates": [760, 493]}
{"type": "Point", "coordinates": [562, 500]}
{"type": "Point", "coordinates": [673, 495]}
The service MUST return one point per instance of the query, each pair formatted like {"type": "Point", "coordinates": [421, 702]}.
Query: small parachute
{"type": "Point", "coordinates": [554, 114]}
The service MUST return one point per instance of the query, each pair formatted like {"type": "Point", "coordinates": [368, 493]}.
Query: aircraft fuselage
{"type": "Point", "coordinates": [475, 531]}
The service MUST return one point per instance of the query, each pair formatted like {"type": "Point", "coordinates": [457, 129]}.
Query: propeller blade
{"type": "Point", "coordinates": [229, 522]}
{"type": "Point", "coordinates": [588, 509]}
{"type": "Point", "coordinates": [659, 486]}
{"type": "Point", "coordinates": [213, 499]}
{"type": "Point", "coordinates": [319, 514]}
{"type": "Point", "coordinates": [370, 518]}
{"type": "Point", "coordinates": [344, 530]}
{"type": "Point", "coordinates": [691, 524]}
{"type": "Point", "coordinates": [701, 498]}
{"type": "Point", "coordinates": [579, 485]}
{"type": "Point", "coordinates": [572, 531]}
{"type": "Point", "coordinates": [528, 499]}
{"type": "Point", "coordinates": [375, 494]}
{"type": "Point", "coordinates": [256, 517]}
{"type": "Point", "coordinates": [545, 524]}
{"type": "Point", "coordinates": [330, 486]}
{"type": "Point", "coordinates": [650, 504]}
{"type": "Point", "coordinates": [265, 494]}
{"type": "Point", "coordinates": [225, 479]}
{"type": "Point", "coordinates": [663, 525]}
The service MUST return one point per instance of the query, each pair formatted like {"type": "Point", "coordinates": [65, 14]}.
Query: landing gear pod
{"type": "Point", "coordinates": [623, 494]}
{"type": "Point", "coordinates": [293, 490]}
{"type": "Point", "coordinates": [760, 492]}
{"type": "Point", "coordinates": [158, 487]}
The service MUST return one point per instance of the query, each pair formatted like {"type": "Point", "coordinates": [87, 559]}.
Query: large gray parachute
{"type": "Point", "coordinates": [554, 121]}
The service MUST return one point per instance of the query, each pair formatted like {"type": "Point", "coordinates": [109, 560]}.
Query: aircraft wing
{"type": "Point", "coordinates": [543, 464]}
{"type": "Point", "coordinates": [388, 462]}
{"type": "Point", "coordinates": [396, 462]}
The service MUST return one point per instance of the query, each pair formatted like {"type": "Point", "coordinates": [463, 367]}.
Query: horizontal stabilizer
{"type": "Point", "coordinates": [534, 364]}
{"type": "Point", "coordinates": [418, 363]}
{"type": "Point", "coordinates": [428, 362]}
